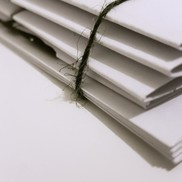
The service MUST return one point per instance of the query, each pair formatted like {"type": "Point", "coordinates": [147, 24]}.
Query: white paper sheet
{"type": "Point", "coordinates": [133, 45]}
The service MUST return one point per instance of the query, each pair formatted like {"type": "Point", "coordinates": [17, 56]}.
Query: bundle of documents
{"type": "Point", "coordinates": [135, 67]}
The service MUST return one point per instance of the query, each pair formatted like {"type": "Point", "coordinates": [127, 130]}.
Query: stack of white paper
{"type": "Point", "coordinates": [129, 70]}
{"type": "Point", "coordinates": [125, 76]}
{"type": "Point", "coordinates": [161, 126]}
{"type": "Point", "coordinates": [142, 85]}
{"type": "Point", "coordinates": [7, 9]}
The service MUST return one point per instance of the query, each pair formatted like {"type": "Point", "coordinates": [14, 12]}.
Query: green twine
{"type": "Point", "coordinates": [84, 59]}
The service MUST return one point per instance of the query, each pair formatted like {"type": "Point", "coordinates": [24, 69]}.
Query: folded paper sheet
{"type": "Point", "coordinates": [144, 50]}
{"type": "Point", "coordinates": [161, 127]}
{"type": "Point", "coordinates": [139, 83]}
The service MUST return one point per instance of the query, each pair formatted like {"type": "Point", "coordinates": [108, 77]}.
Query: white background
{"type": "Point", "coordinates": [45, 137]}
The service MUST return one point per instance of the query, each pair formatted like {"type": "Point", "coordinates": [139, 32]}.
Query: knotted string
{"type": "Point", "coordinates": [86, 54]}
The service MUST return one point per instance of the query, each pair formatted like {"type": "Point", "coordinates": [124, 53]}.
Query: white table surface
{"type": "Point", "coordinates": [45, 137]}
